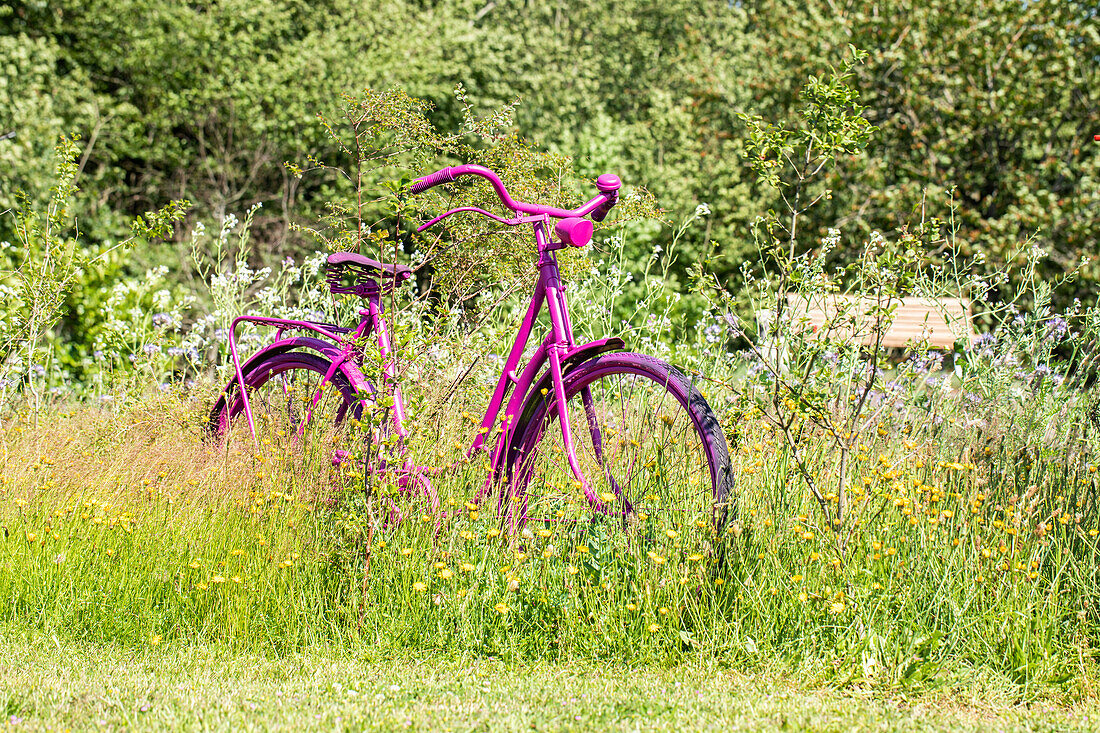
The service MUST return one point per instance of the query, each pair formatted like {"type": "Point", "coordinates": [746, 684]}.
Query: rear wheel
{"type": "Point", "coordinates": [647, 442]}
{"type": "Point", "coordinates": [289, 405]}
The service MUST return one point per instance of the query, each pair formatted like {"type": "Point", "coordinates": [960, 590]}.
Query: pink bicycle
{"type": "Point", "coordinates": [586, 430]}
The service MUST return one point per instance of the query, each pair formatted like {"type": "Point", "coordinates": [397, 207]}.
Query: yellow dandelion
{"type": "Point", "coordinates": [653, 628]}
{"type": "Point", "coordinates": [419, 587]}
{"type": "Point", "coordinates": [501, 608]}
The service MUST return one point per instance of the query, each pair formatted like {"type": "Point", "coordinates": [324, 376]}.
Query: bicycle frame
{"type": "Point", "coordinates": [557, 350]}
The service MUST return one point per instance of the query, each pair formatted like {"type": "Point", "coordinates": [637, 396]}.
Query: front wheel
{"type": "Point", "coordinates": [646, 440]}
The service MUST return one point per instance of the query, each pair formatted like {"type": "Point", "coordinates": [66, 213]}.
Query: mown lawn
{"type": "Point", "coordinates": [47, 684]}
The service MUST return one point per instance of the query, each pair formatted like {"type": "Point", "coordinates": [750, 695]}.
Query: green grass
{"type": "Point", "coordinates": [46, 683]}
{"type": "Point", "coordinates": [126, 535]}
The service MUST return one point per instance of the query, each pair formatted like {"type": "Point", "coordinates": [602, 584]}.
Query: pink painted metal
{"type": "Point", "coordinates": [558, 349]}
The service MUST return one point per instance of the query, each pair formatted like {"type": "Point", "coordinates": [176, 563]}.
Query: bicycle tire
{"type": "Point", "coordinates": [644, 426]}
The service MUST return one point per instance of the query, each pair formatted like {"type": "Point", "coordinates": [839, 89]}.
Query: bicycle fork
{"type": "Point", "coordinates": [563, 332]}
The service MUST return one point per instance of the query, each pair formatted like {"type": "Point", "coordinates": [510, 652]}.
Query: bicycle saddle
{"type": "Point", "coordinates": [356, 264]}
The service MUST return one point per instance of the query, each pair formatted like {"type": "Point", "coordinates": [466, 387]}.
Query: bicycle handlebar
{"type": "Point", "coordinates": [608, 185]}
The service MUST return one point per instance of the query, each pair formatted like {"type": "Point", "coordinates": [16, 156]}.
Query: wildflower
{"type": "Point", "coordinates": [217, 579]}
{"type": "Point", "coordinates": [406, 551]}
{"type": "Point", "coordinates": [837, 607]}
{"type": "Point", "coordinates": [607, 497]}
{"type": "Point", "coordinates": [237, 579]}
{"type": "Point", "coordinates": [572, 570]}
{"type": "Point", "coordinates": [696, 557]}
{"type": "Point", "coordinates": [501, 608]}
{"type": "Point", "coordinates": [803, 597]}
{"type": "Point", "coordinates": [154, 639]}
{"type": "Point", "coordinates": [419, 587]}
{"type": "Point", "coordinates": [663, 611]}
{"type": "Point", "coordinates": [653, 628]}
{"type": "Point", "coordinates": [445, 573]}
{"type": "Point", "coordinates": [492, 533]}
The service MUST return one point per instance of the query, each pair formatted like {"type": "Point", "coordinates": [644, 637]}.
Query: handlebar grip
{"type": "Point", "coordinates": [604, 209]}
{"type": "Point", "coordinates": [421, 185]}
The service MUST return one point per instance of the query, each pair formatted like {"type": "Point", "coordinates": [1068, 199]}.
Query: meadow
{"type": "Point", "coordinates": [914, 533]}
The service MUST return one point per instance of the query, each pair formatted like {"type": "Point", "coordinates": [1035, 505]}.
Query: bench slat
{"type": "Point", "coordinates": [938, 322]}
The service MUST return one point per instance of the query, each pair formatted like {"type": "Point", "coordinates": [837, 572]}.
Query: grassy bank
{"type": "Point", "coordinates": [126, 528]}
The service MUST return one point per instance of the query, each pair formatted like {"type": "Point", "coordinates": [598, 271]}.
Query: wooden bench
{"type": "Point", "coordinates": [937, 322]}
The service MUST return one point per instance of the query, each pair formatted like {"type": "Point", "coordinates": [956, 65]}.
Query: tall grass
{"type": "Point", "coordinates": [130, 528]}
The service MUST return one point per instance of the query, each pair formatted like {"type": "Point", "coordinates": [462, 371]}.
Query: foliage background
{"type": "Point", "coordinates": [984, 113]}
